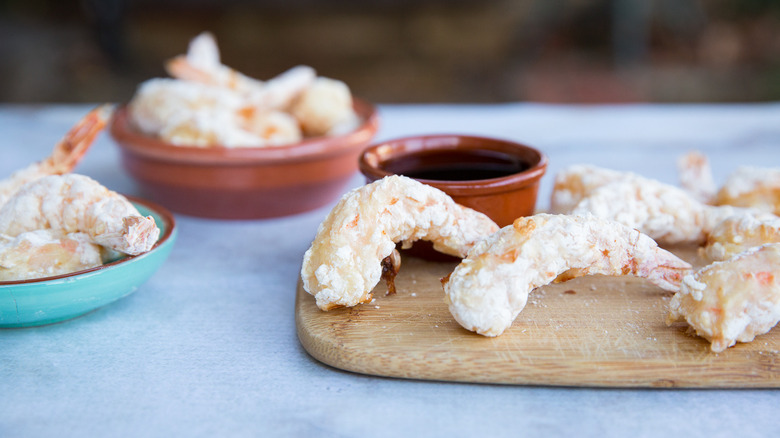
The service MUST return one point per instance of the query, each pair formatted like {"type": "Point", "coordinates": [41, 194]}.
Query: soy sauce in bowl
{"type": "Point", "coordinates": [456, 165]}
{"type": "Point", "coordinates": [497, 177]}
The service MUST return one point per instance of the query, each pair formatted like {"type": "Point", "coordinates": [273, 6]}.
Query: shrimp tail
{"type": "Point", "coordinates": [136, 235]}
{"type": "Point", "coordinates": [69, 151]}
{"type": "Point", "coordinates": [140, 234]}
{"type": "Point", "coordinates": [666, 272]}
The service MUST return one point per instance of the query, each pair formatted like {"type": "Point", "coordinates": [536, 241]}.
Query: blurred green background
{"type": "Point", "coordinates": [407, 51]}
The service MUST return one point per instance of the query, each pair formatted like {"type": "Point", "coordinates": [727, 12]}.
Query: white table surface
{"type": "Point", "coordinates": [208, 347]}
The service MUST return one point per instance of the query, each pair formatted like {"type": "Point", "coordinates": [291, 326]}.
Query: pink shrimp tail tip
{"type": "Point", "coordinates": [141, 233]}
{"type": "Point", "coordinates": [668, 271]}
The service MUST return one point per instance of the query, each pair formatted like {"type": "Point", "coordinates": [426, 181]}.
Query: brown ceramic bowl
{"type": "Point", "coordinates": [243, 183]}
{"type": "Point", "coordinates": [497, 177]}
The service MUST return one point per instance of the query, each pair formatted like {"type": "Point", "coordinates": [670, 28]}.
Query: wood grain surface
{"type": "Point", "coordinates": [590, 331]}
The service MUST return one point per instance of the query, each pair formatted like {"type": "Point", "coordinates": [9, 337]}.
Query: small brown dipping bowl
{"type": "Point", "coordinates": [243, 183]}
{"type": "Point", "coordinates": [497, 177]}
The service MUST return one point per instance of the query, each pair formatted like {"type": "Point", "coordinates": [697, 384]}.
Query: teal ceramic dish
{"type": "Point", "coordinates": [48, 300]}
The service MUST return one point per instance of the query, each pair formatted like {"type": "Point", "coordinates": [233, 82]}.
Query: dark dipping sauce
{"type": "Point", "coordinates": [456, 165]}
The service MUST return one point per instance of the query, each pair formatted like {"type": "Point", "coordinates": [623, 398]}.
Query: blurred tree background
{"type": "Point", "coordinates": [405, 50]}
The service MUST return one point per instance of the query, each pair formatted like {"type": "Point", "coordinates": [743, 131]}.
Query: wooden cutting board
{"type": "Point", "coordinates": [590, 331]}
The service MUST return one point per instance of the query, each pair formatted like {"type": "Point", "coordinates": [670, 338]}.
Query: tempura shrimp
{"type": "Point", "coordinates": [74, 203]}
{"type": "Point", "coordinates": [325, 108]}
{"type": "Point", "coordinates": [578, 181]}
{"type": "Point", "coordinates": [733, 300]}
{"type": "Point", "coordinates": [202, 64]}
{"type": "Point", "coordinates": [696, 176]}
{"type": "Point", "coordinates": [755, 187]}
{"type": "Point", "coordinates": [46, 253]}
{"type": "Point", "coordinates": [739, 233]}
{"type": "Point", "coordinates": [197, 115]}
{"type": "Point", "coordinates": [666, 213]}
{"type": "Point", "coordinates": [66, 154]}
{"type": "Point", "coordinates": [344, 262]}
{"type": "Point", "coordinates": [189, 113]}
{"type": "Point", "coordinates": [490, 287]}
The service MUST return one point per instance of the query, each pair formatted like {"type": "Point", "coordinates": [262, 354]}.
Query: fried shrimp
{"type": "Point", "coordinates": [344, 262]}
{"type": "Point", "coordinates": [325, 108]}
{"type": "Point", "coordinates": [754, 187]}
{"type": "Point", "coordinates": [578, 181]}
{"type": "Point", "coordinates": [66, 154]}
{"type": "Point", "coordinates": [46, 253]}
{"type": "Point", "coordinates": [696, 176]}
{"type": "Point", "coordinates": [73, 203]}
{"type": "Point", "coordinates": [733, 300]}
{"type": "Point", "coordinates": [490, 287]}
{"type": "Point", "coordinates": [739, 233]}
{"type": "Point", "coordinates": [666, 213]}
{"type": "Point", "coordinates": [202, 64]}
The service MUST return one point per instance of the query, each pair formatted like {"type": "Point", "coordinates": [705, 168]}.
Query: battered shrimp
{"type": "Point", "coordinates": [325, 108]}
{"type": "Point", "coordinates": [190, 114]}
{"type": "Point", "coordinates": [666, 213]}
{"type": "Point", "coordinates": [344, 262]}
{"type": "Point", "coordinates": [75, 203]}
{"type": "Point", "coordinates": [490, 287]}
{"type": "Point", "coordinates": [731, 301]}
{"type": "Point", "coordinates": [274, 127]}
{"type": "Point", "coordinates": [696, 176]}
{"type": "Point", "coordinates": [578, 181]}
{"type": "Point", "coordinates": [66, 154]}
{"type": "Point", "coordinates": [740, 233]}
{"type": "Point", "coordinates": [754, 187]}
{"type": "Point", "coordinates": [202, 64]}
{"type": "Point", "coordinates": [46, 253]}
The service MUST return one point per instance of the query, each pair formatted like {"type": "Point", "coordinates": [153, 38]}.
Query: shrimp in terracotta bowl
{"type": "Point", "coordinates": [212, 142]}
{"type": "Point", "coordinates": [68, 244]}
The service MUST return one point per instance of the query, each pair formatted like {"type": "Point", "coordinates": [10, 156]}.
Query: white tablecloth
{"type": "Point", "coordinates": [208, 347]}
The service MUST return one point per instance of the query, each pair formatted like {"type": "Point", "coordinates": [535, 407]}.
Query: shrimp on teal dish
{"type": "Point", "coordinates": [67, 153]}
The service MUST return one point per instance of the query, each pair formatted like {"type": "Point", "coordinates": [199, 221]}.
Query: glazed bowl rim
{"type": "Point", "coordinates": [170, 224]}
{"type": "Point", "coordinates": [131, 140]}
{"type": "Point", "coordinates": [452, 142]}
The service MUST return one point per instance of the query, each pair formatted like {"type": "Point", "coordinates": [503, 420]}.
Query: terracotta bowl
{"type": "Point", "coordinates": [243, 183]}
{"type": "Point", "coordinates": [497, 177]}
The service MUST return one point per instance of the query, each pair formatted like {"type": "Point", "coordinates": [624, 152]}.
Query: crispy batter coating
{"type": "Point", "coordinates": [739, 233]}
{"type": "Point", "coordinates": [325, 108]}
{"type": "Point", "coordinates": [666, 213]}
{"type": "Point", "coordinates": [343, 264]}
{"type": "Point", "coordinates": [490, 287]}
{"type": "Point", "coordinates": [733, 300]}
{"type": "Point", "coordinates": [754, 187]}
{"type": "Point", "coordinates": [74, 203]}
{"type": "Point", "coordinates": [696, 176]}
{"type": "Point", "coordinates": [578, 181]}
{"type": "Point", "coordinates": [46, 253]}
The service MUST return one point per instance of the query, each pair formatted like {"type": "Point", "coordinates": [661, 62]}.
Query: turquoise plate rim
{"type": "Point", "coordinates": [147, 263]}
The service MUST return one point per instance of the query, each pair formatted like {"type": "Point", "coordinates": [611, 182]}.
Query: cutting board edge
{"type": "Point", "coordinates": [344, 357]}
